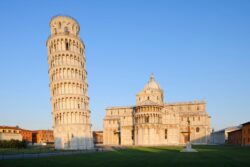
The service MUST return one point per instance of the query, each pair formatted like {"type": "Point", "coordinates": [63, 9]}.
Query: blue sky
{"type": "Point", "coordinates": [197, 50]}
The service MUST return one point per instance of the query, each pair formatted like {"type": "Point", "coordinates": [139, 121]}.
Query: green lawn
{"type": "Point", "coordinates": [211, 156]}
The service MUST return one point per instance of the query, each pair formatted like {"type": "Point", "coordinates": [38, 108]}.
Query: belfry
{"type": "Point", "coordinates": [68, 85]}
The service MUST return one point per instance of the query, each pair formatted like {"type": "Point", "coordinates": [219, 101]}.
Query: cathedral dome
{"type": "Point", "coordinates": [151, 92]}
{"type": "Point", "coordinates": [152, 84]}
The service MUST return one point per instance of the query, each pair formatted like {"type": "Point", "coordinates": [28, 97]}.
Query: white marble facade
{"type": "Point", "coordinates": [68, 85]}
{"type": "Point", "coordinates": [153, 122]}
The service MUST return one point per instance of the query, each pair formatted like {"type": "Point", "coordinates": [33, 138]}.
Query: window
{"type": "Point", "coordinates": [148, 97]}
{"type": "Point", "coordinates": [67, 46]}
{"type": "Point", "coordinates": [198, 108]}
{"type": "Point", "coordinates": [147, 119]}
{"type": "Point", "coordinates": [197, 130]}
{"type": "Point", "coordinates": [166, 133]}
{"type": "Point", "coordinates": [66, 30]}
{"type": "Point", "coordinates": [59, 25]}
{"type": "Point", "coordinates": [78, 106]}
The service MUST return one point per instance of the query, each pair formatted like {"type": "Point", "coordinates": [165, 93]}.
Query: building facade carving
{"type": "Point", "coordinates": [153, 122]}
{"type": "Point", "coordinates": [68, 85]}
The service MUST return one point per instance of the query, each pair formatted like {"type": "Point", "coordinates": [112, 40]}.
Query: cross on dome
{"type": "Point", "coordinates": [152, 77]}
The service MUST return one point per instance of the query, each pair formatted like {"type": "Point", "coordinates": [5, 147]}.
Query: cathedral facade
{"type": "Point", "coordinates": [152, 122]}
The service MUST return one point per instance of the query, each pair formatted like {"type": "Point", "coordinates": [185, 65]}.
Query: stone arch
{"type": "Point", "coordinates": [60, 118]}
{"type": "Point", "coordinates": [71, 60]}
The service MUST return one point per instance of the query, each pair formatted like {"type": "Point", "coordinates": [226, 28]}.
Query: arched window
{"type": "Point", "coordinates": [198, 108]}
{"type": "Point", "coordinates": [148, 98]}
{"type": "Point", "coordinates": [166, 133]}
{"type": "Point", "coordinates": [67, 46]}
{"type": "Point", "coordinates": [147, 119]}
{"type": "Point", "coordinates": [66, 30]}
{"type": "Point", "coordinates": [197, 130]}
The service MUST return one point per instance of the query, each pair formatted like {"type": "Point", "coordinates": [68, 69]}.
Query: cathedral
{"type": "Point", "coordinates": [152, 122]}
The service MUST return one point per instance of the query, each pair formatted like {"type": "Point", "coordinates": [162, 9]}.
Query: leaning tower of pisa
{"type": "Point", "coordinates": [68, 85]}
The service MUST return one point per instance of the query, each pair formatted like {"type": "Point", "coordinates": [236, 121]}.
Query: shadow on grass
{"type": "Point", "coordinates": [207, 156]}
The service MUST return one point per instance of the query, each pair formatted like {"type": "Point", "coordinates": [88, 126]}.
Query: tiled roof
{"type": "Point", "coordinates": [247, 123]}
{"type": "Point", "coordinates": [10, 127]}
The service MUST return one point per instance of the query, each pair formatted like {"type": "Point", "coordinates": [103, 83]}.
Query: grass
{"type": "Point", "coordinates": [212, 156]}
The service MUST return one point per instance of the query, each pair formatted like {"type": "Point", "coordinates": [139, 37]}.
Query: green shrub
{"type": "Point", "coordinates": [12, 144]}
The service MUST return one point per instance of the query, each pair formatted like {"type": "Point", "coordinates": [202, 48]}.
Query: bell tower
{"type": "Point", "coordinates": [68, 85]}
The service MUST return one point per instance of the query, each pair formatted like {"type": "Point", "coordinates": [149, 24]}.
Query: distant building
{"type": "Point", "coordinates": [26, 135]}
{"type": "Point", "coordinates": [235, 137]}
{"type": "Point", "coordinates": [43, 136]}
{"type": "Point", "coordinates": [30, 136]}
{"type": "Point", "coordinates": [246, 134]}
{"type": "Point", "coordinates": [221, 136]}
{"type": "Point", "coordinates": [153, 122]}
{"type": "Point", "coordinates": [98, 137]}
{"type": "Point", "coordinates": [10, 133]}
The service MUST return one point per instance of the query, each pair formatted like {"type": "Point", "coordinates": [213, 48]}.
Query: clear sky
{"type": "Point", "coordinates": [197, 50]}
